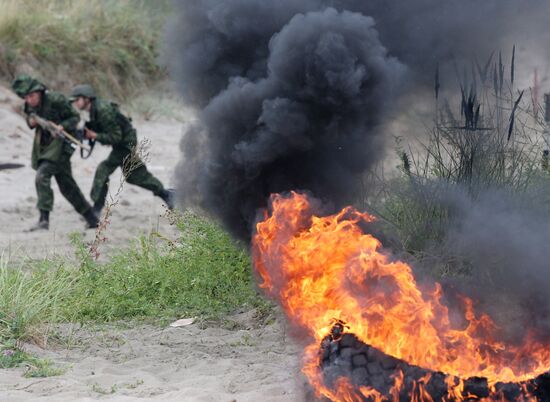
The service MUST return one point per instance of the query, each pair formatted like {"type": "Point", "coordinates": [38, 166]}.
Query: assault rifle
{"type": "Point", "coordinates": [61, 133]}
{"type": "Point", "coordinates": [81, 136]}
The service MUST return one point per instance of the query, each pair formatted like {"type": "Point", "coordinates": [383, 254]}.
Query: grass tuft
{"type": "Point", "coordinates": [28, 301]}
{"type": "Point", "coordinates": [12, 357]}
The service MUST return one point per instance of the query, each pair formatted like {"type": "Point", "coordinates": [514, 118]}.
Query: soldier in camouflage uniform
{"type": "Point", "coordinates": [51, 155]}
{"type": "Point", "coordinates": [109, 126]}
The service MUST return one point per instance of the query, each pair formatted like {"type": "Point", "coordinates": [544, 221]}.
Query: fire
{"type": "Point", "coordinates": [323, 269]}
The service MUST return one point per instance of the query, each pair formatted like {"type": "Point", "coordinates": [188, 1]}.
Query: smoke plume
{"type": "Point", "coordinates": [292, 94]}
{"type": "Point", "coordinates": [503, 239]}
{"type": "Point", "coordinates": [304, 114]}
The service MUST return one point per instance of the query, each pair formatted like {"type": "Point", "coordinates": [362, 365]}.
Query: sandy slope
{"type": "Point", "coordinates": [145, 363]}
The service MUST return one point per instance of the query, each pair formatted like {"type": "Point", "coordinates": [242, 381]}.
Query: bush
{"type": "Point", "coordinates": [492, 144]}
{"type": "Point", "coordinates": [109, 44]}
{"type": "Point", "coordinates": [202, 273]}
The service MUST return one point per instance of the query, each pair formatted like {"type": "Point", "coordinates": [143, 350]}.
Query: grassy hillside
{"type": "Point", "coordinates": [110, 44]}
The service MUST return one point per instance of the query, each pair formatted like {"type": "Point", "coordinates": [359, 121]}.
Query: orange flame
{"type": "Point", "coordinates": [323, 269]}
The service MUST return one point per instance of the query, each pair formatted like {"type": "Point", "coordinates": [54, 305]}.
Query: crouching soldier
{"type": "Point", "coordinates": [51, 155]}
{"type": "Point", "coordinates": [109, 126]}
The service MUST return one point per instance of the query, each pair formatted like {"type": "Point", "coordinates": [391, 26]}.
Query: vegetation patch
{"type": "Point", "coordinates": [28, 301]}
{"type": "Point", "coordinates": [112, 45]}
{"type": "Point", "coordinates": [12, 357]}
{"type": "Point", "coordinates": [203, 272]}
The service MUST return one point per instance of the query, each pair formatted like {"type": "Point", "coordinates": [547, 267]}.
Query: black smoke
{"type": "Point", "coordinates": [292, 94]}
{"type": "Point", "coordinates": [302, 113]}
{"type": "Point", "coordinates": [503, 237]}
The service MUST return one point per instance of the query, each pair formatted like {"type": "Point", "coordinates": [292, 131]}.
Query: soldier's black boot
{"type": "Point", "coordinates": [168, 197]}
{"type": "Point", "coordinates": [91, 219]}
{"type": "Point", "coordinates": [43, 222]}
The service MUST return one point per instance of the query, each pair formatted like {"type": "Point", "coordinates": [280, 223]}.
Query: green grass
{"type": "Point", "coordinates": [28, 301]}
{"type": "Point", "coordinates": [202, 273]}
{"type": "Point", "coordinates": [13, 357]}
{"type": "Point", "coordinates": [112, 45]}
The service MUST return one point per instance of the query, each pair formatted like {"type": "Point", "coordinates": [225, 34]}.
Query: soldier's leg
{"type": "Point", "coordinates": [43, 183]}
{"type": "Point", "coordinates": [100, 186]}
{"type": "Point", "coordinates": [141, 177]}
{"type": "Point", "coordinates": [69, 188]}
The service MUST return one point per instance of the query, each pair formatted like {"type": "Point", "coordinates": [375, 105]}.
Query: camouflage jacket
{"type": "Point", "coordinates": [57, 109]}
{"type": "Point", "coordinates": [111, 126]}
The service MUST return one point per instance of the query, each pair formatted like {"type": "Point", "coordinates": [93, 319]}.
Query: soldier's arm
{"type": "Point", "coordinates": [69, 117]}
{"type": "Point", "coordinates": [111, 133]}
{"type": "Point", "coordinates": [31, 123]}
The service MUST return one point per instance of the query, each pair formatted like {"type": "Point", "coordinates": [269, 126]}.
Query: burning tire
{"type": "Point", "coordinates": [375, 376]}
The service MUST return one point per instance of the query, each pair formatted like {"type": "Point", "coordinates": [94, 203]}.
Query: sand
{"type": "Point", "coordinates": [194, 363]}
{"type": "Point", "coordinates": [244, 361]}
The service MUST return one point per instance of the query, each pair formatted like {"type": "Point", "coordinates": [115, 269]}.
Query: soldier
{"type": "Point", "coordinates": [51, 155]}
{"type": "Point", "coordinates": [109, 126]}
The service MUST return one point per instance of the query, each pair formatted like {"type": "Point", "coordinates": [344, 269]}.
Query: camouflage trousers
{"type": "Point", "coordinates": [134, 172]}
{"type": "Point", "coordinates": [67, 185]}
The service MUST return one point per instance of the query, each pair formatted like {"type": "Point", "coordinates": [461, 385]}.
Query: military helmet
{"type": "Point", "coordinates": [84, 90]}
{"type": "Point", "coordinates": [25, 84]}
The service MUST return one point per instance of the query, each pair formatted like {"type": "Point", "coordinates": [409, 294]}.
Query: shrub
{"type": "Point", "coordinates": [202, 273]}
{"type": "Point", "coordinates": [492, 143]}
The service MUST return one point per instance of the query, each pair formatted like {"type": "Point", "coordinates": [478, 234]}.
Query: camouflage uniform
{"type": "Point", "coordinates": [51, 157]}
{"type": "Point", "coordinates": [115, 129]}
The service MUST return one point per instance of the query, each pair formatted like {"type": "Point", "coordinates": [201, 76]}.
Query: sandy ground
{"type": "Point", "coordinates": [245, 363]}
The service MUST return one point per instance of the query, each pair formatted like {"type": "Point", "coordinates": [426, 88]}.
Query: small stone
{"type": "Point", "coordinates": [349, 341]}
{"type": "Point", "coordinates": [477, 386]}
{"type": "Point", "coordinates": [373, 355]}
{"type": "Point", "coordinates": [378, 382]}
